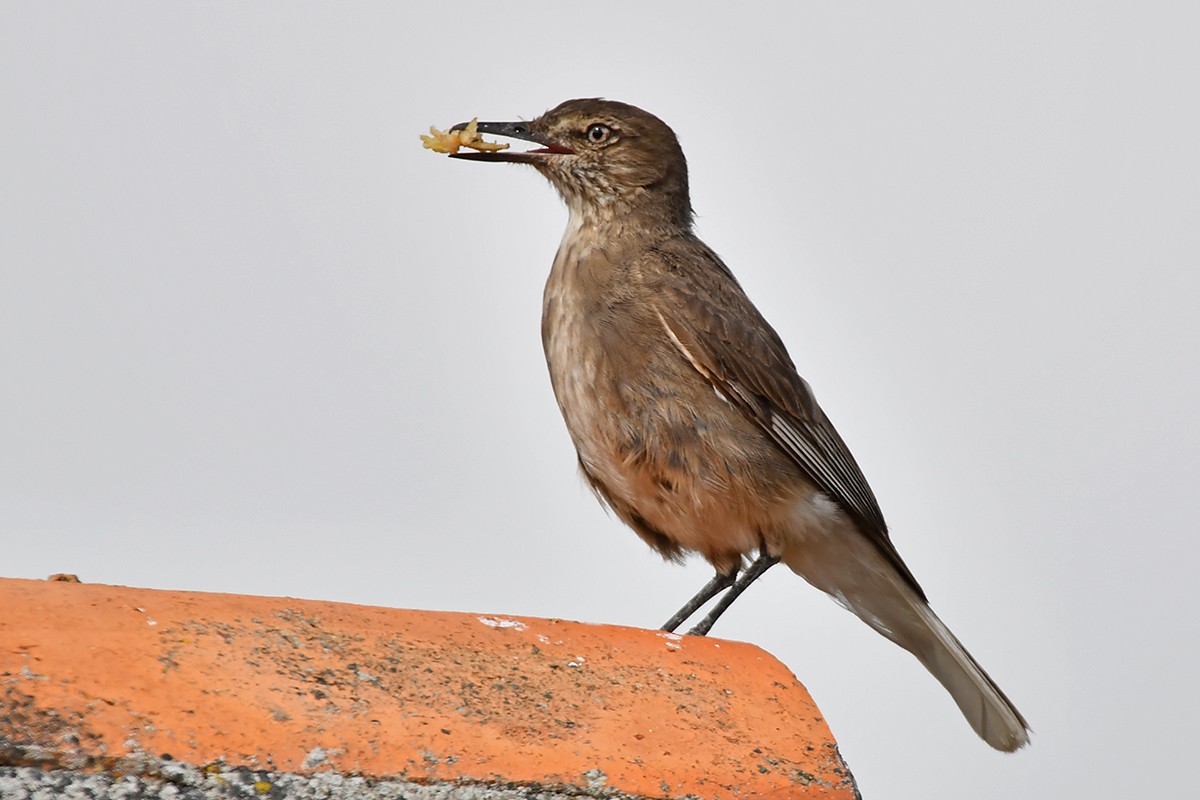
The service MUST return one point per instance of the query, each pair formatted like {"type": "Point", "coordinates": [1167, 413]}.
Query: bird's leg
{"type": "Point", "coordinates": [719, 582]}
{"type": "Point", "coordinates": [763, 563]}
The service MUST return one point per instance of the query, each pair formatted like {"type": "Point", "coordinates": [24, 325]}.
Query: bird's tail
{"type": "Point", "coordinates": [862, 580]}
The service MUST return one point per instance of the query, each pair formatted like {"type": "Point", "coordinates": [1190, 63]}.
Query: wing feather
{"type": "Point", "coordinates": [706, 314]}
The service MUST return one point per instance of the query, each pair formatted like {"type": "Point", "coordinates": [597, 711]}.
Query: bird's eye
{"type": "Point", "coordinates": [597, 133]}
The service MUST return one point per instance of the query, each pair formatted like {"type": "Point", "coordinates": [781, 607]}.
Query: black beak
{"type": "Point", "coordinates": [513, 130]}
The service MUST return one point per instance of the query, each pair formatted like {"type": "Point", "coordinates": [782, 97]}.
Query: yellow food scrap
{"type": "Point", "coordinates": [451, 141]}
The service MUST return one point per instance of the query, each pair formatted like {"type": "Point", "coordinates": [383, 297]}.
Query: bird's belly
{"type": "Point", "coordinates": [671, 457]}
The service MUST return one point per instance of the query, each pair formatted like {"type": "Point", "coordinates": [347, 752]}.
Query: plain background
{"type": "Point", "coordinates": [254, 339]}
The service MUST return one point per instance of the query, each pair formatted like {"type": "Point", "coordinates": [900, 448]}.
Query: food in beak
{"type": "Point", "coordinates": [451, 141]}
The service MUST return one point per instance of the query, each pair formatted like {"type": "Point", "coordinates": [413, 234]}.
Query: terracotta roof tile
{"type": "Point", "coordinates": [115, 679]}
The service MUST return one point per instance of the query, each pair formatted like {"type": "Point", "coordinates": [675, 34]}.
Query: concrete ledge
{"type": "Point", "coordinates": [183, 694]}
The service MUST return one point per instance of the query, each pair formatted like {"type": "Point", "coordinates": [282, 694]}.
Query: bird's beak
{"type": "Point", "coordinates": [513, 130]}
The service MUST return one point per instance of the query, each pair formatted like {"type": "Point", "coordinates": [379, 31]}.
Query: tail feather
{"type": "Point", "coordinates": [859, 578]}
{"type": "Point", "coordinates": [987, 709]}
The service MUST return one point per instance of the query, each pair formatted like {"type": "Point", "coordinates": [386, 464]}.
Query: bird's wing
{"type": "Point", "coordinates": [715, 326]}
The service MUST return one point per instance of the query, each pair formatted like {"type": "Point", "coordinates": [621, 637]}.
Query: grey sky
{"type": "Point", "coordinates": [254, 339]}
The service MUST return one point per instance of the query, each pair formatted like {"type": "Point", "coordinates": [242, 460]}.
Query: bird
{"type": "Point", "coordinates": [688, 416]}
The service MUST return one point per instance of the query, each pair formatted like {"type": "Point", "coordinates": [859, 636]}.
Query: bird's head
{"type": "Point", "coordinates": [604, 157]}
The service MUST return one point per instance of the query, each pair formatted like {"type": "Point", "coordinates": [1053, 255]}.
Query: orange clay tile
{"type": "Point", "coordinates": [97, 676]}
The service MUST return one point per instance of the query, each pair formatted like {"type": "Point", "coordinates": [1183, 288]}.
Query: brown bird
{"type": "Point", "coordinates": [687, 413]}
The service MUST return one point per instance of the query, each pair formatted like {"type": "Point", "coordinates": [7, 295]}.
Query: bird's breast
{"type": "Point", "coordinates": [671, 457]}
